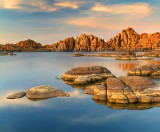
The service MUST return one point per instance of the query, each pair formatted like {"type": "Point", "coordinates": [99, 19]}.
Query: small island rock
{"type": "Point", "coordinates": [16, 95]}
{"type": "Point", "coordinates": [44, 92]}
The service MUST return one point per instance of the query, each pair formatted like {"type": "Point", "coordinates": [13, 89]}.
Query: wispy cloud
{"type": "Point", "coordinates": [113, 16]}
{"type": "Point", "coordinates": [28, 5]}
{"type": "Point", "coordinates": [37, 5]}
{"type": "Point", "coordinates": [142, 9]}
{"type": "Point", "coordinates": [73, 5]}
{"type": "Point", "coordinates": [10, 4]}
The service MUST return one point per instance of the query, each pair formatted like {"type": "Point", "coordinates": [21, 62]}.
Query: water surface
{"type": "Point", "coordinates": [77, 113]}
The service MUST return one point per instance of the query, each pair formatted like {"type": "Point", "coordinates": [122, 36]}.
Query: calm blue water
{"type": "Point", "coordinates": [77, 113]}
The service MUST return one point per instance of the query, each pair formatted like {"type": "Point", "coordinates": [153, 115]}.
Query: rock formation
{"type": "Point", "coordinates": [87, 75]}
{"type": "Point", "coordinates": [127, 39]}
{"type": "Point", "coordinates": [16, 95]}
{"type": "Point", "coordinates": [45, 92]}
{"type": "Point", "coordinates": [82, 43]}
{"type": "Point", "coordinates": [28, 44]}
{"type": "Point", "coordinates": [145, 70]}
{"type": "Point", "coordinates": [66, 45]}
{"type": "Point", "coordinates": [123, 90]}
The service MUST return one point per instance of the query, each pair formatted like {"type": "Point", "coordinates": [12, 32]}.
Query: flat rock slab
{"type": "Point", "coordinates": [136, 83]}
{"type": "Point", "coordinates": [16, 95]}
{"type": "Point", "coordinates": [45, 92]}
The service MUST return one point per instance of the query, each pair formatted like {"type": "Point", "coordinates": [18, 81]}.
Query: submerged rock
{"type": "Point", "coordinates": [44, 92]}
{"type": "Point", "coordinates": [16, 95]}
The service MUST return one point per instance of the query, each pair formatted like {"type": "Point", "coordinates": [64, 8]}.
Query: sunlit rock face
{"type": "Point", "coordinates": [150, 41]}
{"type": "Point", "coordinates": [45, 92]}
{"type": "Point", "coordinates": [65, 45]}
{"type": "Point", "coordinates": [129, 39]}
{"type": "Point", "coordinates": [29, 44]}
{"type": "Point", "coordinates": [88, 43]}
{"type": "Point", "coordinates": [82, 43]}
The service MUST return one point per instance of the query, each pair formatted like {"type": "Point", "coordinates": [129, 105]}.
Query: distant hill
{"type": "Point", "coordinates": [127, 39]}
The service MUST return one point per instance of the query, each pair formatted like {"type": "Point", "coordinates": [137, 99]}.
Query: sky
{"type": "Point", "coordinates": [48, 21]}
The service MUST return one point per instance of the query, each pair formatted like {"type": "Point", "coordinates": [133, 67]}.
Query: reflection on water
{"type": "Point", "coordinates": [18, 102]}
{"type": "Point", "coordinates": [130, 106]}
{"type": "Point", "coordinates": [77, 113]}
{"type": "Point", "coordinates": [124, 66]}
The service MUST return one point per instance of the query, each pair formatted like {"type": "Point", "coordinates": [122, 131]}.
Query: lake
{"type": "Point", "coordinates": [76, 113]}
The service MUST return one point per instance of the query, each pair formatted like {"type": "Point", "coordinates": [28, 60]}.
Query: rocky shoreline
{"type": "Point", "coordinates": [5, 53]}
{"type": "Point", "coordinates": [103, 85]}
{"type": "Point", "coordinates": [122, 90]}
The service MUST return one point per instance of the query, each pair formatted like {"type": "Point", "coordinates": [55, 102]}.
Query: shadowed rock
{"type": "Point", "coordinates": [100, 92]}
{"type": "Point", "coordinates": [44, 92]}
{"type": "Point", "coordinates": [16, 95]}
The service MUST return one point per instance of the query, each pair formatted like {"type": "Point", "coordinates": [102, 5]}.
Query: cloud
{"type": "Point", "coordinates": [142, 9]}
{"type": "Point", "coordinates": [37, 5]}
{"type": "Point", "coordinates": [28, 5]}
{"type": "Point", "coordinates": [90, 118]}
{"type": "Point", "coordinates": [113, 17]}
{"type": "Point", "coordinates": [73, 5]}
{"type": "Point", "coordinates": [78, 94]}
{"type": "Point", "coordinates": [11, 4]}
